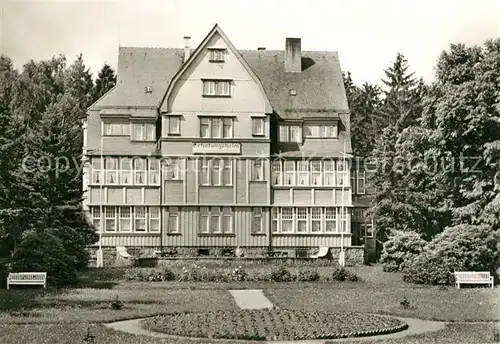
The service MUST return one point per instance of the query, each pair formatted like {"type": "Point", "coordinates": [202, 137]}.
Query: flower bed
{"type": "Point", "coordinates": [199, 273]}
{"type": "Point", "coordinates": [273, 324]}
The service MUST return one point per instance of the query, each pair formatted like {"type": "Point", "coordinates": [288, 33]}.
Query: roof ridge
{"type": "Point", "coordinates": [151, 48]}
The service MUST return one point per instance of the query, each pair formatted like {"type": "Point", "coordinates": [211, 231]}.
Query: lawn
{"type": "Point", "coordinates": [63, 316]}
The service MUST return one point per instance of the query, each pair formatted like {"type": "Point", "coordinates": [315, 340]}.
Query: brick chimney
{"type": "Point", "coordinates": [293, 55]}
{"type": "Point", "coordinates": [187, 48]}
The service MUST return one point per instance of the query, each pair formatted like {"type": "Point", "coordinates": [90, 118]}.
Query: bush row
{"type": "Point", "coordinates": [238, 274]}
{"type": "Point", "coordinates": [458, 248]}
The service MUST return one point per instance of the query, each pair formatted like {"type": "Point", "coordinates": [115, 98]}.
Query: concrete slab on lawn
{"type": "Point", "coordinates": [251, 299]}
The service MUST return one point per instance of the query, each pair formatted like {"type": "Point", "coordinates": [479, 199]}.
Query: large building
{"type": "Point", "coordinates": [215, 148]}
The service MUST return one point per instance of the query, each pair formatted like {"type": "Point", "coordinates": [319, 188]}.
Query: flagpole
{"type": "Point", "coordinates": [342, 253]}
{"type": "Point", "coordinates": [100, 262]}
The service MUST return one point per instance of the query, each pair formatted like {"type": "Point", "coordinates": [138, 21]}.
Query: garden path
{"type": "Point", "coordinates": [251, 299]}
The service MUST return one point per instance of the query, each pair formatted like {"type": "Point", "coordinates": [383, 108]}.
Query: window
{"type": "Point", "coordinates": [315, 172]}
{"type": "Point", "coordinates": [174, 125]}
{"type": "Point", "coordinates": [358, 214]}
{"type": "Point", "coordinates": [173, 220]}
{"type": "Point", "coordinates": [274, 220]}
{"type": "Point", "coordinates": [276, 172]}
{"type": "Point", "coordinates": [328, 173]}
{"type": "Point", "coordinates": [215, 223]}
{"type": "Point", "coordinates": [154, 172]}
{"type": "Point", "coordinates": [301, 220]}
{"type": "Point", "coordinates": [360, 186]}
{"type": "Point", "coordinates": [343, 219]}
{"type": "Point", "coordinates": [321, 131]}
{"type": "Point", "coordinates": [330, 220]}
{"type": "Point", "coordinates": [116, 128]}
{"type": "Point", "coordinates": [172, 169]}
{"type": "Point", "coordinates": [369, 229]}
{"type": "Point", "coordinates": [287, 220]}
{"type": "Point", "coordinates": [289, 173]}
{"type": "Point", "coordinates": [204, 217]}
{"type": "Point", "coordinates": [258, 126]}
{"type": "Point", "coordinates": [125, 219]}
{"type": "Point", "coordinates": [140, 219]}
{"type": "Point", "coordinates": [111, 166]}
{"type": "Point", "coordinates": [140, 171]}
{"type": "Point", "coordinates": [216, 127]}
{"type": "Point", "coordinates": [257, 170]}
{"type": "Point", "coordinates": [96, 218]}
{"type": "Point", "coordinates": [110, 219]}
{"type": "Point", "coordinates": [204, 171]}
{"type": "Point", "coordinates": [227, 173]}
{"type": "Point", "coordinates": [227, 220]}
{"type": "Point", "coordinates": [315, 220]}
{"type": "Point", "coordinates": [312, 131]}
{"type": "Point", "coordinates": [144, 131]}
{"type": "Point", "coordinates": [219, 88]}
{"type": "Point", "coordinates": [341, 173]}
{"type": "Point", "coordinates": [290, 133]}
{"type": "Point", "coordinates": [216, 172]}
{"type": "Point", "coordinates": [227, 127]}
{"type": "Point", "coordinates": [330, 131]}
{"type": "Point", "coordinates": [302, 172]}
{"type": "Point", "coordinates": [126, 171]}
{"type": "Point", "coordinates": [217, 55]}
{"type": "Point", "coordinates": [96, 171]}
{"type": "Point", "coordinates": [257, 221]}
{"type": "Point", "coordinates": [215, 178]}
{"type": "Point", "coordinates": [154, 219]}
{"type": "Point", "coordinates": [204, 127]}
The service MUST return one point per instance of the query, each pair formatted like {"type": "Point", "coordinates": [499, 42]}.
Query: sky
{"type": "Point", "coordinates": [366, 34]}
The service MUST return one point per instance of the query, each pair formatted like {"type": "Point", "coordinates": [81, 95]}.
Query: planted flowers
{"type": "Point", "coordinates": [273, 324]}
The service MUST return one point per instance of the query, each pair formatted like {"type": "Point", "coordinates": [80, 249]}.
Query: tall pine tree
{"type": "Point", "coordinates": [106, 80]}
{"type": "Point", "coordinates": [401, 108]}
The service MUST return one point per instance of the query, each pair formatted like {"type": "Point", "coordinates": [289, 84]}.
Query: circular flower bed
{"type": "Point", "coordinates": [273, 324]}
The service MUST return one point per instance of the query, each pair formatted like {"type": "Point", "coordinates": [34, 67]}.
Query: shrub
{"type": "Point", "coordinates": [307, 275]}
{"type": "Point", "coordinates": [149, 275]}
{"type": "Point", "coordinates": [117, 304]}
{"type": "Point", "coordinates": [280, 274]}
{"type": "Point", "coordinates": [401, 247]}
{"type": "Point", "coordinates": [239, 274]}
{"type": "Point", "coordinates": [342, 274]}
{"type": "Point", "coordinates": [44, 252]}
{"type": "Point", "coordinates": [458, 248]}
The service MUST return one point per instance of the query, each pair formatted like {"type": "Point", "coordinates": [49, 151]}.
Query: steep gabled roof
{"type": "Point", "coordinates": [215, 30]}
{"type": "Point", "coordinates": [319, 87]}
{"type": "Point", "coordinates": [137, 69]}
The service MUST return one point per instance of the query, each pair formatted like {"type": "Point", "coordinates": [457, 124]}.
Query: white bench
{"type": "Point", "coordinates": [473, 277]}
{"type": "Point", "coordinates": [27, 278]}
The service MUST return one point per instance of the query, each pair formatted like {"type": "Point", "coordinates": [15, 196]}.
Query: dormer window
{"type": "Point", "coordinates": [290, 133]}
{"type": "Point", "coordinates": [321, 131]}
{"type": "Point", "coordinates": [217, 54]}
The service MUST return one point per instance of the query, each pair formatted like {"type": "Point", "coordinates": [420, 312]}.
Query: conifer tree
{"type": "Point", "coordinates": [106, 80]}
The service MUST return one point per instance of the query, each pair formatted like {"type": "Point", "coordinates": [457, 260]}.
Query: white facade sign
{"type": "Point", "coordinates": [216, 148]}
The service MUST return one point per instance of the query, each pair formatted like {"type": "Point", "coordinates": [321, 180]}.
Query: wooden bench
{"type": "Point", "coordinates": [473, 277]}
{"type": "Point", "coordinates": [27, 278]}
